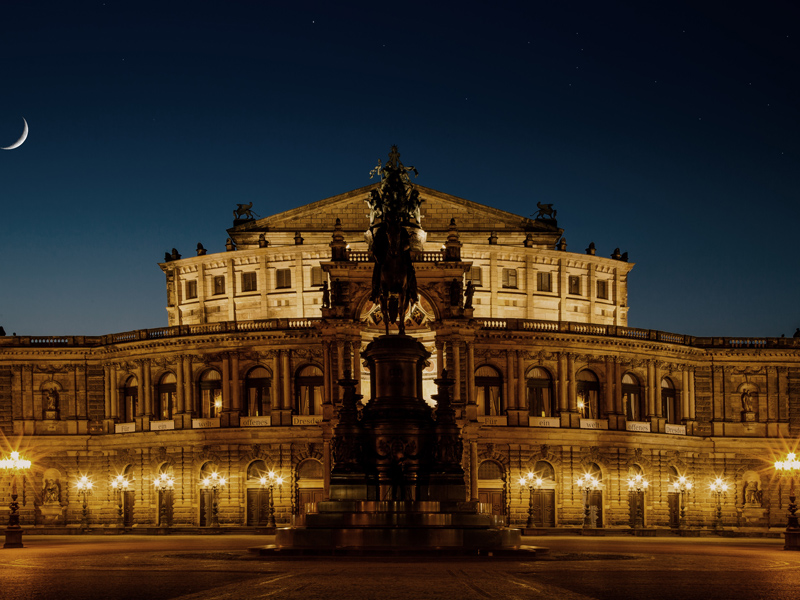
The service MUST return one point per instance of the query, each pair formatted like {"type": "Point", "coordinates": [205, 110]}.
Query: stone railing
{"type": "Point", "coordinates": [428, 256]}
{"type": "Point", "coordinates": [634, 333]}
{"type": "Point", "coordinates": [158, 333]}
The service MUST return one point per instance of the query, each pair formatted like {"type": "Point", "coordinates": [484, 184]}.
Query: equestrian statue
{"type": "Point", "coordinates": [393, 233]}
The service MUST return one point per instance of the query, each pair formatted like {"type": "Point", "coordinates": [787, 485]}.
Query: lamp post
{"type": "Point", "coordinates": [120, 484]}
{"type": "Point", "coordinates": [532, 482]}
{"type": "Point", "coordinates": [269, 482]}
{"type": "Point", "coordinates": [214, 483]}
{"type": "Point", "coordinates": [164, 484]}
{"type": "Point", "coordinates": [587, 483]}
{"type": "Point", "coordinates": [14, 463]}
{"type": "Point", "coordinates": [682, 485]}
{"type": "Point", "coordinates": [790, 465]}
{"type": "Point", "coordinates": [636, 488]}
{"type": "Point", "coordinates": [719, 487]}
{"type": "Point", "coordinates": [84, 486]}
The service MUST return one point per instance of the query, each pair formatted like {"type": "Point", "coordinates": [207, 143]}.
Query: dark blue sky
{"type": "Point", "coordinates": [669, 129]}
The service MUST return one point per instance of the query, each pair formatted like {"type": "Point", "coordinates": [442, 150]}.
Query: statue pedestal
{"type": "Point", "coordinates": [51, 415]}
{"type": "Point", "coordinates": [52, 514]}
{"type": "Point", "coordinates": [748, 416]}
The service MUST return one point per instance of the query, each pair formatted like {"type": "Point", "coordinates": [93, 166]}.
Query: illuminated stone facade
{"type": "Point", "coordinates": [549, 378]}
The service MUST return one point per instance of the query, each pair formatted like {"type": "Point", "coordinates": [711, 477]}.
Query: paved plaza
{"type": "Point", "coordinates": [220, 567]}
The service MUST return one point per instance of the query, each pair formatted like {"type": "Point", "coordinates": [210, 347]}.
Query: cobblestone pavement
{"type": "Point", "coordinates": [219, 567]}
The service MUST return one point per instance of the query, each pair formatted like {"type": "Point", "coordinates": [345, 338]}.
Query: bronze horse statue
{"type": "Point", "coordinates": [394, 283]}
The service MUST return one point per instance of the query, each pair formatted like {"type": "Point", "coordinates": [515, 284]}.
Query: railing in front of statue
{"type": "Point", "coordinates": [532, 325]}
{"type": "Point", "coordinates": [428, 256]}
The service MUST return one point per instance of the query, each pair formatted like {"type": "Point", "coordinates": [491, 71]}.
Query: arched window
{"type": "Point", "coordinates": [210, 394]}
{"type": "Point", "coordinates": [632, 398]}
{"type": "Point", "coordinates": [308, 391]}
{"type": "Point", "coordinates": [165, 397]}
{"type": "Point", "coordinates": [309, 469]}
{"type": "Point", "coordinates": [129, 400]}
{"type": "Point", "coordinates": [489, 391]}
{"type": "Point", "coordinates": [540, 393]}
{"type": "Point", "coordinates": [545, 470]}
{"type": "Point", "coordinates": [588, 390]}
{"type": "Point", "coordinates": [256, 470]}
{"type": "Point", "coordinates": [669, 401]}
{"type": "Point", "coordinates": [258, 386]}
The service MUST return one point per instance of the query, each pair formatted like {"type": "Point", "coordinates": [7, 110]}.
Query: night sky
{"type": "Point", "coordinates": [668, 129]}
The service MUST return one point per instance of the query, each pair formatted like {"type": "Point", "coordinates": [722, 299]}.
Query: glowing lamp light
{"type": "Point", "coordinates": [84, 484]}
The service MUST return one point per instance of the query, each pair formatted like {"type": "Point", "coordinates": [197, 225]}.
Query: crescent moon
{"type": "Point", "coordinates": [21, 139]}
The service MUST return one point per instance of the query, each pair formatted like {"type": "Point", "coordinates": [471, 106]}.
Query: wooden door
{"type": "Point", "coordinates": [205, 508]}
{"type": "Point", "coordinates": [674, 504]}
{"type": "Point", "coordinates": [636, 505]}
{"type": "Point", "coordinates": [595, 508]}
{"type": "Point", "coordinates": [165, 498]}
{"type": "Point", "coordinates": [544, 508]}
{"type": "Point", "coordinates": [127, 508]}
{"type": "Point", "coordinates": [257, 507]}
{"type": "Point", "coordinates": [306, 496]}
{"type": "Point", "coordinates": [495, 498]}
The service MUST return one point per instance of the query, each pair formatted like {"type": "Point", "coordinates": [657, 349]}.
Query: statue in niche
{"type": "Point", "coordinates": [747, 400]}
{"type": "Point", "coordinates": [51, 492]}
{"type": "Point", "coordinates": [51, 399]}
{"type": "Point", "coordinates": [752, 495]}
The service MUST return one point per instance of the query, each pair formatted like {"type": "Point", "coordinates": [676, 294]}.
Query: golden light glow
{"type": "Point", "coordinates": [790, 464]}
{"type": "Point", "coordinates": [15, 462]}
{"type": "Point", "coordinates": [719, 485]}
{"type": "Point", "coordinates": [120, 482]}
{"type": "Point", "coordinates": [588, 482]}
{"type": "Point", "coordinates": [638, 482]}
{"type": "Point", "coordinates": [84, 484]}
{"type": "Point", "coordinates": [580, 405]}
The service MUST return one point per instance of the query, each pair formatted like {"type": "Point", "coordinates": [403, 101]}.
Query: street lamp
{"type": "Point", "coordinates": [214, 483]}
{"type": "Point", "coordinates": [269, 482]}
{"type": "Point", "coordinates": [532, 482]}
{"type": "Point", "coordinates": [14, 463]}
{"type": "Point", "coordinates": [587, 483]}
{"type": "Point", "coordinates": [792, 534]}
{"type": "Point", "coordinates": [120, 484]}
{"type": "Point", "coordinates": [682, 485]}
{"type": "Point", "coordinates": [636, 488]}
{"type": "Point", "coordinates": [719, 487]}
{"type": "Point", "coordinates": [164, 484]}
{"type": "Point", "coordinates": [84, 486]}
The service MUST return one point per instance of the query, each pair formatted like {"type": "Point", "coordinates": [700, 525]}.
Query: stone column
{"type": "Point", "coordinates": [691, 395]}
{"type": "Point", "coordinates": [563, 404]}
{"type": "Point", "coordinates": [472, 407]}
{"type": "Point", "coordinates": [440, 358]}
{"type": "Point", "coordinates": [651, 388]}
{"type": "Point", "coordinates": [107, 391]}
{"type": "Point", "coordinates": [508, 383]}
{"type": "Point", "coordinates": [473, 471]}
{"type": "Point", "coordinates": [226, 382]}
{"type": "Point", "coordinates": [573, 384]}
{"type": "Point", "coordinates": [236, 384]}
{"type": "Point", "coordinates": [685, 412]}
{"type": "Point", "coordinates": [140, 389]}
{"type": "Point", "coordinates": [188, 382]}
{"type": "Point", "coordinates": [148, 388]}
{"type": "Point", "coordinates": [180, 392]}
{"type": "Point", "coordinates": [326, 377]}
{"type": "Point", "coordinates": [114, 391]}
{"type": "Point", "coordinates": [285, 416]}
{"type": "Point", "coordinates": [456, 346]}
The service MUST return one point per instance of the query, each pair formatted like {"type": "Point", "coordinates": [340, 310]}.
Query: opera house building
{"type": "Point", "coordinates": [224, 416]}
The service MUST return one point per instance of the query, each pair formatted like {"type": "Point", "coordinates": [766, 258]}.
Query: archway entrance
{"type": "Point", "coordinates": [309, 484]}
{"type": "Point", "coordinates": [491, 486]}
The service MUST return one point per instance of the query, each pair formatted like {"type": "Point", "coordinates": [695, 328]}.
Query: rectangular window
{"type": "Point", "coordinates": [316, 276]}
{"type": "Point", "coordinates": [602, 289]}
{"type": "Point", "coordinates": [510, 278]}
{"type": "Point", "coordinates": [219, 284]}
{"type": "Point", "coordinates": [544, 282]}
{"type": "Point", "coordinates": [575, 285]}
{"type": "Point", "coordinates": [474, 275]}
{"type": "Point", "coordinates": [283, 278]}
{"type": "Point", "coordinates": [191, 289]}
{"type": "Point", "coordinates": [249, 283]}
